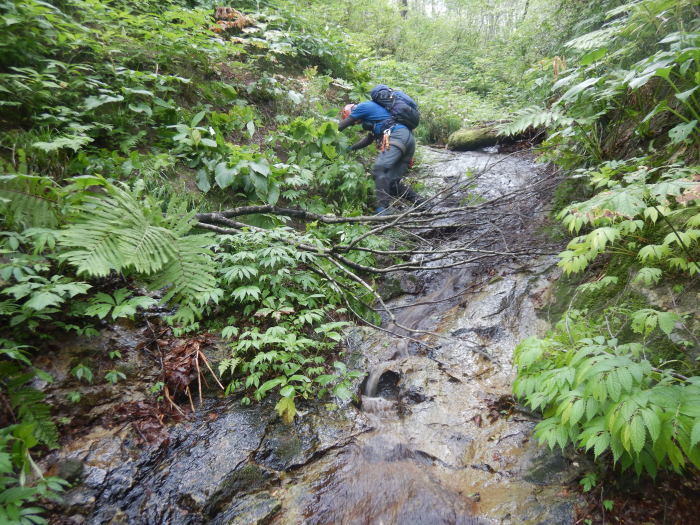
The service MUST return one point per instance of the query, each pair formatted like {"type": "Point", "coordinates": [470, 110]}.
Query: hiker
{"type": "Point", "coordinates": [389, 118]}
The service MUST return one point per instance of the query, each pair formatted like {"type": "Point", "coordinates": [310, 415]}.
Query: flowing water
{"type": "Point", "coordinates": [436, 437]}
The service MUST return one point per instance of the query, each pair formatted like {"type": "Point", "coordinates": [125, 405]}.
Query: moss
{"type": "Point", "coordinates": [472, 138]}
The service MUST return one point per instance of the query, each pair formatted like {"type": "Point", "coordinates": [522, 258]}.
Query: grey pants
{"type": "Point", "coordinates": [390, 167]}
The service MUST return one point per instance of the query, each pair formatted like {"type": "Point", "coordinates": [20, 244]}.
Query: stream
{"type": "Point", "coordinates": [435, 437]}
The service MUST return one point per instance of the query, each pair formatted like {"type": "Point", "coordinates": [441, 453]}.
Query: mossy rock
{"type": "Point", "coordinates": [472, 138]}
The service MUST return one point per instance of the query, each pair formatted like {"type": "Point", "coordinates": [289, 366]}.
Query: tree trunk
{"type": "Point", "coordinates": [404, 8]}
{"type": "Point", "coordinates": [527, 6]}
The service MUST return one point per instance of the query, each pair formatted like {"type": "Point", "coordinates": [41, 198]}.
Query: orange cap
{"type": "Point", "coordinates": [346, 111]}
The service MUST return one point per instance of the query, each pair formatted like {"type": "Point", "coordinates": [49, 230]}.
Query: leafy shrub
{"type": "Point", "coordinates": [601, 395]}
{"type": "Point", "coordinates": [623, 113]}
{"type": "Point", "coordinates": [292, 318]}
{"type": "Point", "coordinates": [651, 214]}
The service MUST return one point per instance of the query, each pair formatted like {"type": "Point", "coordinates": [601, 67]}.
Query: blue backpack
{"type": "Point", "coordinates": [403, 108]}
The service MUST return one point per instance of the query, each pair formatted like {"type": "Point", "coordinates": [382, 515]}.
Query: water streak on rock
{"type": "Point", "coordinates": [435, 440]}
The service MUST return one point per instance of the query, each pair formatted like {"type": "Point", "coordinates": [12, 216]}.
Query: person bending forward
{"type": "Point", "coordinates": [396, 149]}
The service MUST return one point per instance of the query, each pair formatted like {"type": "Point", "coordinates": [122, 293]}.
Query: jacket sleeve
{"type": "Point", "coordinates": [346, 123]}
{"type": "Point", "coordinates": [369, 138]}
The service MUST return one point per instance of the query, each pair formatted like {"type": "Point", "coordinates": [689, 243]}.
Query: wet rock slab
{"type": "Point", "coordinates": [443, 450]}
{"type": "Point", "coordinates": [216, 468]}
{"type": "Point", "coordinates": [429, 443]}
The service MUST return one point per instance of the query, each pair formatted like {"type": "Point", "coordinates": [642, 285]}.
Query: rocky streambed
{"type": "Point", "coordinates": [435, 436]}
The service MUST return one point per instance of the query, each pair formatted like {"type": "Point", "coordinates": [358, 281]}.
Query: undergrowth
{"type": "Point", "coordinates": [619, 374]}
{"type": "Point", "coordinates": [119, 122]}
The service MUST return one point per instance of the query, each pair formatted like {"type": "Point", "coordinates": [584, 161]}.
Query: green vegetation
{"type": "Point", "coordinates": [619, 374]}
{"type": "Point", "coordinates": [126, 126]}
{"type": "Point", "coordinates": [119, 123]}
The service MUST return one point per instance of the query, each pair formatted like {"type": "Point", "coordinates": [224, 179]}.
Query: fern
{"type": "Point", "coordinates": [189, 272]}
{"type": "Point", "coordinates": [121, 231]}
{"type": "Point", "coordinates": [27, 403]}
{"type": "Point", "coordinates": [533, 117]}
{"type": "Point", "coordinates": [594, 39]}
{"type": "Point", "coordinates": [30, 201]}
{"type": "Point", "coordinates": [113, 233]}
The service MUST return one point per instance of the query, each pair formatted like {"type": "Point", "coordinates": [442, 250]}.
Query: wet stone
{"type": "Point", "coordinates": [256, 509]}
{"type": "Point", "coordinates": [286, 447]}
{"type": "Point", "coordinates": [414, 395]}
{"type": "Point", "coordinates": [549, 467]}
{"type": "Point", "coordinates": [563, 512]}
{"type": "Point", "coordinates": [398, 284]}
{"type": "Point", "coordinates": [71, 469]}
{"type": "Point", "coordinates": [249, 478]}
{"type": "Point", "coordinates": [174, 485]}
{"type": "Point", "coordinates": [95, 477]}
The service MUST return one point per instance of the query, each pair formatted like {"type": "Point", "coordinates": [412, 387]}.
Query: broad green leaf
{"type": "Point", "coordinates": [686, 94]}
{"type": "Point", "coordinates": [287, 391]}
{"type": "Point", "coordinates": [244, 292]}
{"type": "Point", "coordinates": [653, 423]}
{"type": "Point", "coordinates": [601, 444]}
{"type": "Point", "coordinates": [131, 91]}
{"type": "Point", "coordinates": [324, 379]}
{"type": "Point", "coordinates": [593, 56]}
{"type": "Point", "coordinates": [648, 276]}
{"type": "Point", "coordinates": [224, 175]}
{"type": "Point", "coordinates": [286, 409]}
{"type": "Point", "coordinates": [273, 194]}
{"type": "Point", "coordinates": [681, 132]}
{"type": "Point", "coordinates": [100, 310]}
{"type": "Point", "coordinates": [329, 151]}
{"type": "Point", "coordinates": [197, 118]}
{"type": "Point", "coordinates": [97, 101]}
{"type": "Point", "coordinates": [342, 392]}
{"type": "Point", "coordinates": [651, 213]}
{"type": "Point", "coordinates": [577, 411]}
{"type": "Point", "coordinates": [261, 166]}
{"type": "Point", "coordinates": [203, 180]}
{"type": "Point", "coordinates": [272, 383]}
{"type": "Point", "coordinates": [640, 80]}
{"type": "Point", "coordinates": [654, 252]}
{"type": "Point", "coordinates": [579, 88]}
{"type": "Point", "coordinates": [695, 434]}
{"type": "Point", "coordinates": [42, 300]}
{"type": "Point", "coordinates": [667, 321]}
{"type": "Point", "coordinates": [637, 433]}
{"type": "Point", "coordinates": [141, 108]}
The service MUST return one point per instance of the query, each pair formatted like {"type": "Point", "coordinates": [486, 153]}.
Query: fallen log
{"type": "Point", "coordinates": [486, 135]}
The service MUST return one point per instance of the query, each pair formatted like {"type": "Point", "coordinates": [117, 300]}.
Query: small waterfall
{"type": "Point", "coordinates": [380, 392]}
{"type": "Point", "coordinates": [378, 405]}
{"type": "Point", "coordinates": [373, 380]}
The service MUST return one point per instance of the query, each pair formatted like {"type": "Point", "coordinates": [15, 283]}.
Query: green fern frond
{"type": "Point", "coordinates": [594, 39]}
{"type": "Point", "coordinates": [31, 409]}
{"type": "Point", "coordinates": [29, 201]}
{"type": "Point", "coordinates": [28, 403]}
{"type": "Point", "coordinates": [188, 274]}
{"type": "Point", "coordinates": [122, 231]}
{"type": "Point", "coordinates": [113, 233]}
{"type": "Point", "coordinates": [533, 117]}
